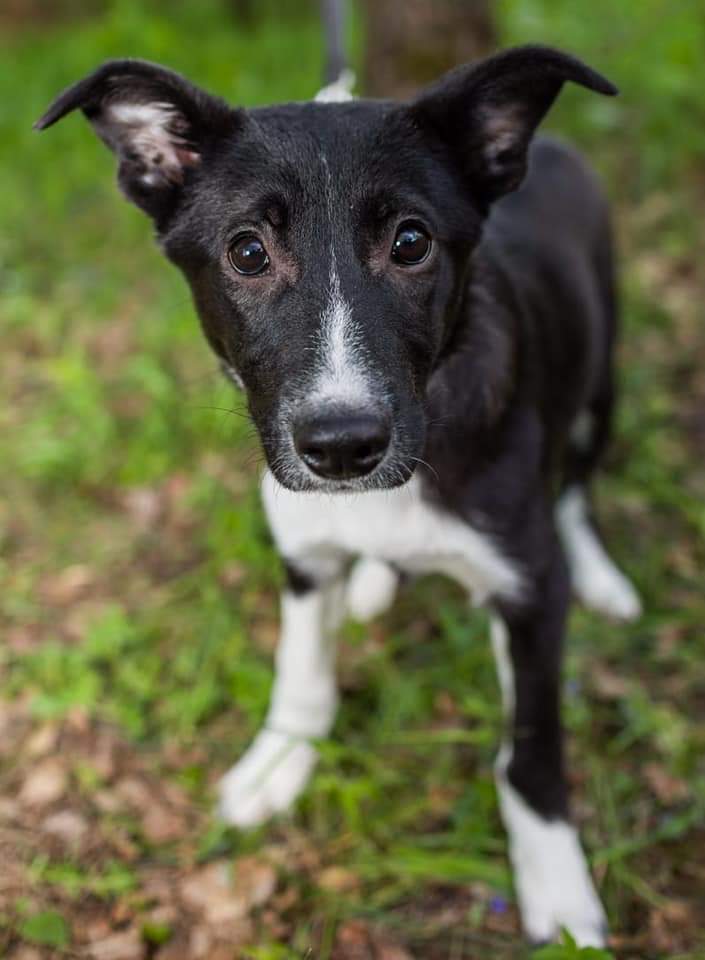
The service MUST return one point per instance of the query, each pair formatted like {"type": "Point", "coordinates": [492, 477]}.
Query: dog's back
{"type": "Point", "coordinates": [551, 242]}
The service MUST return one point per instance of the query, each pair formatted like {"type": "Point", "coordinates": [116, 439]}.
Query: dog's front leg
{"type": "Point", "coordinates": [551, 875]}
{"type": "Point", "coordinates": [276, 767]}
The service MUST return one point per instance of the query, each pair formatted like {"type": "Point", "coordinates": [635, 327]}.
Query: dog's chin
{"type": "Point", "coordinates": [298, 478]}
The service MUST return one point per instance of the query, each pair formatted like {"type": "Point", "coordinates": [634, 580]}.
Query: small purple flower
{"type": "Point", "coordinates": [498, 904]}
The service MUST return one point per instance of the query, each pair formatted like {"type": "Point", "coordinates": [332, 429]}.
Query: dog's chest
{"type": "Point", "coordinates": [397, 526]}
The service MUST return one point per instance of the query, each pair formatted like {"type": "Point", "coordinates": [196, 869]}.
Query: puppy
{"type": "Point", "coordinates": [426, 352]}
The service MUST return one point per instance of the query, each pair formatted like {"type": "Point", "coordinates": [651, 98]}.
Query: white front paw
{"type": "Point", "coordinates": [565, 899]}
{"type": "Point", "coordinates": [551, 875]}
{"type": "Point", "coordinates": [267, 779]}
{"type": "Point", "coordinates": [371, 589]}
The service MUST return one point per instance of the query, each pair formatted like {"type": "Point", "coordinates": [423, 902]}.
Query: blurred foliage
{"type": "Point", "coordinates": [138, 581]}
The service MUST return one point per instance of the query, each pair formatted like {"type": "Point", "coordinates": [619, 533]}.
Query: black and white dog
{"type": "Point", "coordinates": [427, 357]}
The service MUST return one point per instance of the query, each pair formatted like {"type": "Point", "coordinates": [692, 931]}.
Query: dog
{"type": "Point", "coordinates": [418, 300]}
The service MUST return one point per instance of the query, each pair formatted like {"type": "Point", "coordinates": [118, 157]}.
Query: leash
{"type": "Point", "coordinates": [334, 14]}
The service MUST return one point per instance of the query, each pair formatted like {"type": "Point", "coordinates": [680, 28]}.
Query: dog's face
{"type": "Point", "coordinates": [326, 245]}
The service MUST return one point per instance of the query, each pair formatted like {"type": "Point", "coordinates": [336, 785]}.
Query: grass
{"type": "Point", "coordinates": [139, 585]}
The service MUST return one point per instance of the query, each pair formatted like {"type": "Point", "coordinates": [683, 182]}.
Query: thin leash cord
{"type": "Point", "coordinates": [334, 14]}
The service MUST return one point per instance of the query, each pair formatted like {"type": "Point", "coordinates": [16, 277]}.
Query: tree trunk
{"type": "Point", "coordinates": [412, 42]}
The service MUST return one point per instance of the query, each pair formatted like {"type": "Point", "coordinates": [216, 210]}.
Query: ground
{"type": "Point", "coordinates": [139, 587]}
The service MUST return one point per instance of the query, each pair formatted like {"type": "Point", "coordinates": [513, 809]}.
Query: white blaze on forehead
{"type": "Point", "coordinates": [342, 374]}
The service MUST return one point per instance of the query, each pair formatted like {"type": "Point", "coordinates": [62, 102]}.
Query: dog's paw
{"type": "Point", "coordinates": [604, 589]}
{"type": "Point", "coordinates": [267, 779]}
{"type": "Point", "coordinates": [566, 900]}
{"type": "Point", "coordinates": [551, 876]}
{"type": "Point", "coordinates": [371, 589]}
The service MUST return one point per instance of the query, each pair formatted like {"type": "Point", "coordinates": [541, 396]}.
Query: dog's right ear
{"type": "Point", "coordinates": [156, 122]}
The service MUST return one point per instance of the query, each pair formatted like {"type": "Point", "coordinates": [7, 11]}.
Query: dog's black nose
{"type": "Point", "coordinates": [341, 446]}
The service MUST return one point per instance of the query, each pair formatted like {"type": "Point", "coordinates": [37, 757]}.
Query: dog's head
{"type": "Point", "coordinates": [326, 244]}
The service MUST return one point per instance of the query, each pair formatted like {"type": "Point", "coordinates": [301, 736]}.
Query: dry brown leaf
{"type": "Point", "coordinates": [254, 879]}
{"type": "Point", "coordinates": [42, 741]}
{"type": "Point", "coordinates": [143, 505]}
{"type": "Point", "coordinates": [161, 825]}
{"type": "Point", "coordinates": [45, 784]}
{"type": "Point", "coordinates": [392, 951]}
{"type": "Point", "coordinates": [338, 880]}
{"type": "Point", "coordinates": [668, 789]}
{"type": "Point", "coordinates": [135, 793]}
{"type": "Point", "coordinates": [66, 825]}
{"type": "Point", "coordinates": [200, 942]}
{"type": "Point", "coordinates": [107, 801]}
{"type": "Point", "coordinates": [65, 587]}
{"type": "Point", "coordinates": [352, 941]}
{"type": "Point", "coordinates": [210, 892]}
{"type": "Point", "coordinates": [24, 953]}
{"type": "Point", "coordinates": [607, 683]}
{"type": "Point", "coordinates": [127, 945]}
{"type": "Point", "coordinates": [667, 924]}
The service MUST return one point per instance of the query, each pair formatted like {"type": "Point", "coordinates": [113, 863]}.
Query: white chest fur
{"type": "Point", "coordinates": [397, 526]}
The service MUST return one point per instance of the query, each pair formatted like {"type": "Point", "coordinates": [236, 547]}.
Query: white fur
{"type": "Point", "coordinates": [397, 526]}
{"type": "Point", "coordinates": [339, 91]}
{"type": "Point", "coordinates": [551, 876]}
{"type": "Point", "coordinates": [499, 636]}
{"type": "Point", "coordinates": [280, 760]}
{"type": "Point", "coordinates": [596, 580]}
{"type": "Point", "coordinates": [372, 586]}
{"type": "Point", "coordinates": [267, 779]}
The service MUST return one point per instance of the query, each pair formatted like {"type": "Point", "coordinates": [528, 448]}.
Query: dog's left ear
{"type": "Point", "coordinates": [487, 112]}
{"type": "Point", "coordinates": [156, 122]}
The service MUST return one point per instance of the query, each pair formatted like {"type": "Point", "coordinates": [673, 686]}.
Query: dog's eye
{"type": "Point", "coordinates": [248, 256]}
{"type": "Point", "coordinates": [411, 244]}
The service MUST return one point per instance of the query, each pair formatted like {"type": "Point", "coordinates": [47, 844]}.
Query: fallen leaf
{"type": "Point", "coordinates": [126, 945]}
{"type": "Point", "coordinates": [144, 506]}
{"type": "Point", "coordinates": [254, 879]}
{"type": "Point", "coordinates": [42, 741]}
{"type": "Point", "coordinates": [666, 924]}
{"type": "Point", "coordinates": [46, 784]}
{"type": "Point", "coordinates": [607, 683]}
{"type": "Point", "coordinates": [66, 825]}
{"type": "Point", "coordinates": [210, 892]}
{"type": "Point", "coordinates": [338, 880]}
{"type": "Point", "coordinates": [668, 789]}
{"type": "Point", "coordinates": [160, 825]}
{"type": "Point", "coordinates": [65, 587]}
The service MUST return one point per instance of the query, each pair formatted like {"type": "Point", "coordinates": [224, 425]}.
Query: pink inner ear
{"type": "Point", "coordinates": [155, 132]}
{"type": "Point", "coordinates": [502, 129]}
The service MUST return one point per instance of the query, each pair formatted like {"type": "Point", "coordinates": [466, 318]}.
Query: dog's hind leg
{"type": "Point", "coordinates": [551, 876]}
{"type": "Point", "coordinates": [279, 762]}
{"type": "Point", "coordinates": [597, 582]}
